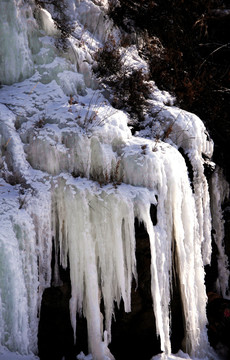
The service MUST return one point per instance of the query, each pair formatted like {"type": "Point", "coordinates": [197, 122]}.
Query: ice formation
{"type": "Point", "coordinates": [219, 192]}
{"type": "Point", "coordinates": [72, 171]}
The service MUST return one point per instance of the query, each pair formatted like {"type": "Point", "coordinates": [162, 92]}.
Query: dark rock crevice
{"type": "Point", "coordinates": [55, 336]}
{"type": "Point", "coordinates": [134, 333]}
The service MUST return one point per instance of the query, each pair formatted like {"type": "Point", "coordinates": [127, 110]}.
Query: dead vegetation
{"type": "Point", "coordinates": [108, 59]}
{"type": "Point", "coordinates": [129, 90]}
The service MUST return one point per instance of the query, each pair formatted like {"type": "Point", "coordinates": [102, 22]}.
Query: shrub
{"type": "Point", "coordinates": [131, 91]}
{"type": "Point", "coordinates": [108, 59]}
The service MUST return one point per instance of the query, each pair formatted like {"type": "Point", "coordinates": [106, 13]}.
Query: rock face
{"type": "Point", "coordinates": [218, 312]}
{"type": "Point", "coordinates": [55, 337]}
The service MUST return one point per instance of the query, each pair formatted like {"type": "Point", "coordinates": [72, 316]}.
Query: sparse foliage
{"type": "Point", "coordinates": [108, 59]}
{"type": "Point", "coordinates": [131, 91]}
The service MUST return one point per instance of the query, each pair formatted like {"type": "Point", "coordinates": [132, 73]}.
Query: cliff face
{"type": "Point", "coordinates": [111, 204]}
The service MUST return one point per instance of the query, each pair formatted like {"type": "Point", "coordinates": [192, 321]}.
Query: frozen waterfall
{"type": "Point", "coordinates": [73, 174]}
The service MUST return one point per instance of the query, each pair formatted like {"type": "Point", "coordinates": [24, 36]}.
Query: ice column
{"type": "Point", "coordinates": [219, 192]}
{"type": "Point", "coordinates": [189, 133]}
{"type": "Point", "coordinates": [18, 277]}
{"type": "Point", "coordinates": [164, 172]}
{"type": "Point", "coordinates": [25, 257]}
{"type": "Point", "coordinates": [15, 55]}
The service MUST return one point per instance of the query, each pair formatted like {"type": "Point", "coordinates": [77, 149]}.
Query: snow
{"type": "Point", "coordinates": [71, 170]}
{"type": "Point", "coordinates": [5, 354]}
{"type": "Point", "coordinates": [181, 355]}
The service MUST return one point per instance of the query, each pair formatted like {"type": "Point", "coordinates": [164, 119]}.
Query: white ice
{"type": "Point", "coordinates": [77, 174]}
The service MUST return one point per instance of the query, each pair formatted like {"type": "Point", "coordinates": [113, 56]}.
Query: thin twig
{"type": "Point", "coordinates": [213, 52]}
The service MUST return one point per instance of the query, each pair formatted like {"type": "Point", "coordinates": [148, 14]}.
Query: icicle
{"type": "Point", "coordinates": [220, 192]}
{"type": "Point", "coordinates": [97, 234]}
{"type": "Point", "coordinates": [39, 209]}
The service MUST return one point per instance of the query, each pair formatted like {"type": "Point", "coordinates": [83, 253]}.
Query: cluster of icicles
{"type": "Point", "coordinates": [93, 227]}
{"type": "Point", "coordinates": [91, 218]}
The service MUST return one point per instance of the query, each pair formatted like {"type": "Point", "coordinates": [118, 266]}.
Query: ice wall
{"type": "Point", "coordinates": [25, 252]}
{"type": "Point", "coordinates": [16, 26]}
{"type": "Point", "coordinates": [72, 172]}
